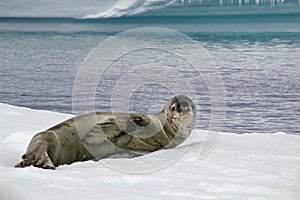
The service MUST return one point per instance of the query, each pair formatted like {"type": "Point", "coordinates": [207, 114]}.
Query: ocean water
{"type": "Point", "coordinates": [256, 56]}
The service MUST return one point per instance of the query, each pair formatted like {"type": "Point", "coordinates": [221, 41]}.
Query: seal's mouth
{"type": "Point", "coordinates": [182, 119]}
{"type": "Point", "coordinates": [183, 115]}
{"type": "Point", "coordinates": [176, 121]}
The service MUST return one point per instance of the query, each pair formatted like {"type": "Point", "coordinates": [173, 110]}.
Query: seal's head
{"type": "Point", "coordinates": [181, 114]}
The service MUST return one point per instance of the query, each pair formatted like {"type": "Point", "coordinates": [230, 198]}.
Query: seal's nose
{"type": "Point", "coordinates": [183, 108]}
{"type": "Point", "coordinates": [180, 109]}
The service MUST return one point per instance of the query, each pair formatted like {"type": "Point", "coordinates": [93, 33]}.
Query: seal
{"type": "Point", "coordinates": [100, 135]}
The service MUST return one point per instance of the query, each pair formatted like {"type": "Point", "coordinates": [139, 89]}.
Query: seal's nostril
{"type": "Point", "coordinates": [180, 109]}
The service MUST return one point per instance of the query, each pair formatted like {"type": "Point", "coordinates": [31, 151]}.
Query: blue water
{"type": "Point", "coordinates": [257, 57]}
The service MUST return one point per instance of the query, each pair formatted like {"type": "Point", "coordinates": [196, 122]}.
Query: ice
{"type": "Point", "coordinates": [241, 166]}
{"type": "Point", "coordinates": [132, 7]}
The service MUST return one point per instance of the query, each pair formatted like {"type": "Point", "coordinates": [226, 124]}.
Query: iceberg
{"type": "Point", "coordinates": [240, 166]}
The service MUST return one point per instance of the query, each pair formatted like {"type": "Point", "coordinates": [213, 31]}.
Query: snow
{"type": "Point", "coordinates": [248, 166]}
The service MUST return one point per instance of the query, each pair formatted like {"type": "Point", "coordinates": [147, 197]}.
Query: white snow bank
{"type": "Point", "coordinates": [249, 166]}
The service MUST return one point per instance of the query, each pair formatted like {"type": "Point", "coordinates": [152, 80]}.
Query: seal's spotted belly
{"type": "Point", "coordinates": [100, 135]}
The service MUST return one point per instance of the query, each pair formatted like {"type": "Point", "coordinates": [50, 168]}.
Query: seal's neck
{"type": "Point", "coordinates": [172, 131]}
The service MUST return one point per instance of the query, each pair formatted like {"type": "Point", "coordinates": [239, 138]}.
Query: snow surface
{"type": "Point", "coordinates": [248, 166]}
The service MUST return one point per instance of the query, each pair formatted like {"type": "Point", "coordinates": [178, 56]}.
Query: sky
{"type": "Point", "coordinates": [53, 8]}
{"type": "Point", "coordinates": [118, 8]}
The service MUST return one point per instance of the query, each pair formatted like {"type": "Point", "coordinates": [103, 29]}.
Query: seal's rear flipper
{"type": "Point", "coordinates": [36, 160]}
{"type": "Point", "coordinates": [19, 165]}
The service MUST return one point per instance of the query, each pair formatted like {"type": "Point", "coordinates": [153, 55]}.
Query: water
{"type": "Point", "coordinates": [259, 64]}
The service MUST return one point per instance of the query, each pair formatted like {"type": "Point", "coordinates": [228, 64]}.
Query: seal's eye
{"type": "Point", "coordinates": [173, 108]}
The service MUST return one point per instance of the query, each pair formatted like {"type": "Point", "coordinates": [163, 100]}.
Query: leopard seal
{"type": "Point", "coordinates": [111, 134]}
